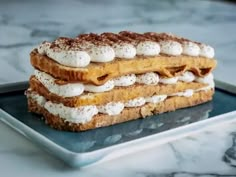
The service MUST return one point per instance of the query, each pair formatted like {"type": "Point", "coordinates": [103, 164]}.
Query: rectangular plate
{"type": "Point", "coordinates": [84, 148]}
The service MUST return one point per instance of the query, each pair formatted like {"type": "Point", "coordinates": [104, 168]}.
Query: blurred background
{"type": "Point", "coordinates": [26, 23]}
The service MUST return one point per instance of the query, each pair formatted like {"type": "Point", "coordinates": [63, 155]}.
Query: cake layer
{"type": "Point", "coordinates": [99, 73]}
{"type": "Point", "coordinates": [100, 120]}
{"type": "Point", "coordinates": [116, 94]}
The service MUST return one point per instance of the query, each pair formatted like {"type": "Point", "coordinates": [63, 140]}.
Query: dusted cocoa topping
{"type": "Point", "coordinates": [164, 37]}
{"type": "Point", "coordinates": [111, 38]}
{"type": "Point", "coordinates": [129, 37]}
{"type": "Point", "coordinates": [65, 43]}
{"type": "Point", "coordinates": [94, 39]}
{"type": "Point", "coordinates": [134, 36]}
{"type": "Point", "coordinates": [116, 38]}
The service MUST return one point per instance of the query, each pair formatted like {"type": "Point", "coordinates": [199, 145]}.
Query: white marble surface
{"type": "Point", "coordinates": [23, 24]}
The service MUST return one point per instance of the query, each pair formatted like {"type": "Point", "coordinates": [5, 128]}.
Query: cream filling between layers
{"type": "Point", "coordinates": [84, 114]}
{"type": "Point", "coordinates": [83, 54]}
{"type": "Point", "coordinates": [151, 78]}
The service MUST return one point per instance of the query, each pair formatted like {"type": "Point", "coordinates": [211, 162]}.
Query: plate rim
{"type": "Point", "coordinates": [80, 159]}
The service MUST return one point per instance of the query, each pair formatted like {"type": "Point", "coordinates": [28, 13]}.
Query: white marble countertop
{"type": "Point", "coordinates": [23, 24]}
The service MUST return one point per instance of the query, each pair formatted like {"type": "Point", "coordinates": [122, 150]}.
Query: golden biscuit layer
{"type": "Point", "coordinates": [99, 73]}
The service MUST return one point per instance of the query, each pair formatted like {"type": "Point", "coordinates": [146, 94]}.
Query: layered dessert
{"type": "Point", "coordinates": [97, 80]}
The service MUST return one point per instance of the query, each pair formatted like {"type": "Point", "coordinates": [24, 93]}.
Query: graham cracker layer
{"type": "Point", "coordinates": [99, 73]}
{"type": "Point", "coordinates": [114, 95]}
{"type": "Point", "coordinates": [102, 120]}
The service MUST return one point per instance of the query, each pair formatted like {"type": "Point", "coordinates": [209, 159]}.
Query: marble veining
{"type": "Point", "coordinates": [24, 24]}
{"type": "Point", "coordinates": [230, 153]}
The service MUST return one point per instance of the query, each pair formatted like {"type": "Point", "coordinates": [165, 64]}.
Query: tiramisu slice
{"type": "Point", "coordinates": [96, 80]}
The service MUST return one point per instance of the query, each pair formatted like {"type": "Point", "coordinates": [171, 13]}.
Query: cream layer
{"type": "Point", "coordinates": [151, 78]}
{"type": "Point", "coordinates": [81, 54]}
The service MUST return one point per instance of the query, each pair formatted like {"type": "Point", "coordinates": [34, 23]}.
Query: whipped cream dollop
{"type": "Point", "coordinates": [186, 93]}
{"type": "Point", "coordinates": [156, 99]}
{"type": "Point", "coordinates": [209, 87]}
{"type": "Point", "coordinates": [65, 90]}
{"type": "Point", "coordinates": [149, 78]}
{"type": "Point", "coordinates": [109, 85]}
{"type": "Point", "coordinates": [73, 58]}
{"type": "Point", "coordinates": [209, 79]}
{"type": "Point", "coordinates": [40, 100]}
{"type": "Point", "coordinates": [135, 102]}
{"type": "Point", "coordinates": [43, 47]}
{"type": "Point", "coordinates": [101, 53]}
{"type": "Point", "coordinates": [148, 48]}
{"type": "Point", "coordinates": [112, 108]}
{"type": "Point", "coordinates": [187, 77]}
{"type": "Point", "coordinates": [190, 48]}
{"type": "Point", "coordinates": [124, 50]}
{"type": "Point", "coordinates": [70, 58]}
{"type": "Point", "coordinates": [80, 114]}
{"type": "Point", "coordinates": [125, 80]}
{"type": "Point", "coordinates": [171, 48]}
{"type": "Point", "coordinates": [206, 51]}
{"type": "Point", "coordinates": [172, 80]}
